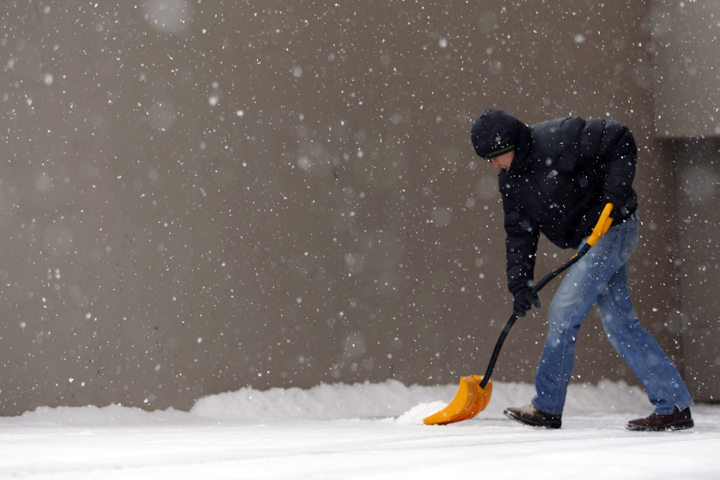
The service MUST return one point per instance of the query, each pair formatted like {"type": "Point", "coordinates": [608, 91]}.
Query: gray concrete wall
{"type": "Point", "coordinates": [196, 197]}
{"type": "Point", "coordinates": [687, 66]}
{"type": "Point", "coordinates": [698, 269]}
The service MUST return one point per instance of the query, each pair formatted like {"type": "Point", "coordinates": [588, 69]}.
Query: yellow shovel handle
{"type": "Point", "coordinates": [602, 225]}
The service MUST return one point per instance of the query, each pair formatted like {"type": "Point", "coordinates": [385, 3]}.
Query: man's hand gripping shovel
{"type": "Point", "coordinates": [474, 392]}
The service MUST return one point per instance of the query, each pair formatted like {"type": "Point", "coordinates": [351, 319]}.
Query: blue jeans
{"type": "Point", "coordinates": [601, 277]}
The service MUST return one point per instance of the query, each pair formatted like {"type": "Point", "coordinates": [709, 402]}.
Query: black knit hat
{"type": "Point", "coordinates": [495, 132]}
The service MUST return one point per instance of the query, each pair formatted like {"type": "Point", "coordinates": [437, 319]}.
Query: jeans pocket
{"type": "Point", "coordinates": [629, 243]}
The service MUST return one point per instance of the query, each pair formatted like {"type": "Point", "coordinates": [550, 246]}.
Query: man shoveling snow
{"type": "Point", "coordinates": [554, 178]}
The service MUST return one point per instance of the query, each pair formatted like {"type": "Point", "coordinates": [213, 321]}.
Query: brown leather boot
{"type": "Point", "coordinates": [657, 423]}
{"type": "Point", "coordinates": [529, 415]}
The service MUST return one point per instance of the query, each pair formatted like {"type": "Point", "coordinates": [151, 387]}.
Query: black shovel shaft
{"type": "Point", "coordinates": [513, 318]}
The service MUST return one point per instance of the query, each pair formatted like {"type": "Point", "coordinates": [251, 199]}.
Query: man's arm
{"type": "Point", "coordinates": [613, 145]}
{"type": "Point", "coordinates": [520, 247]}
{"type": "Point", "coordinates": [620, 163]}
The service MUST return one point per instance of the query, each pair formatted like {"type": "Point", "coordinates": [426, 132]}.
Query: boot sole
{"type": "Point", "coordinates": [683, 425]}
{"type": "Point", "coordinates": [517, 418]}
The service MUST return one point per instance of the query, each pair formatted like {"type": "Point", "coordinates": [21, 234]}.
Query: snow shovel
{"type": "Point", "coordinates": [474, 392]}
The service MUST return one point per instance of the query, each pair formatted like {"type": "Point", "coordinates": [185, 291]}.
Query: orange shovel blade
{"type": "Point", "coordinates": [468, 402]}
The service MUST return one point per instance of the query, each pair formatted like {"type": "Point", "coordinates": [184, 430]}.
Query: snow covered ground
{"type": "Point", "coordinates": [364, 431]}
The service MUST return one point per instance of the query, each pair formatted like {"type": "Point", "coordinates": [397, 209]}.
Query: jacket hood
{"type": "Point", "coordinates": [496, 132]}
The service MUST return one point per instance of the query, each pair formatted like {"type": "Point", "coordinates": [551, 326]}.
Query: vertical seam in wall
{"type": "Point", "coordinates": [676, 267]}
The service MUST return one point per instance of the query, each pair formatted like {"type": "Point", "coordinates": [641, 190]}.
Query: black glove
{"type": "Point", "coordinates": [524, 300]}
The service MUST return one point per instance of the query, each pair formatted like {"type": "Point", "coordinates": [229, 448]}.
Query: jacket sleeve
{"type": "Point", "coordinates": [620, 162]}
{"type": "Point", "coordinates": [613, 146]}
{"type": "Point", "coordinates": [520, 247]}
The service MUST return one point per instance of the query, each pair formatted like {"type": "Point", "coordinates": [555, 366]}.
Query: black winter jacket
{"type": "Point", "coordinates": [563, 173]}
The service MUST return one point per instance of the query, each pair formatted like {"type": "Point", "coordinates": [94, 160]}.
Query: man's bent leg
{"type": "Point", "coordinates": [567, 311]}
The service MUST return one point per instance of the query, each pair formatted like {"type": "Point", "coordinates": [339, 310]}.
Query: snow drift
{"type": "Point", "coordinates": [389, 400]}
